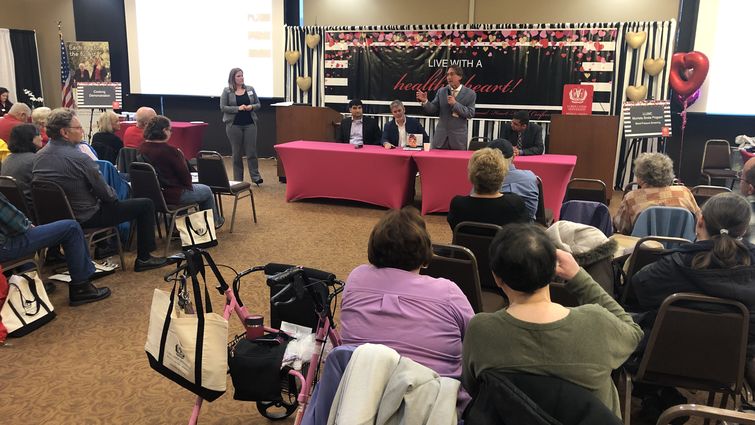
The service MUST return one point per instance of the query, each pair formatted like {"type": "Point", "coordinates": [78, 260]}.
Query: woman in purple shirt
{"type": "Point", "coordinates": [388, 302]}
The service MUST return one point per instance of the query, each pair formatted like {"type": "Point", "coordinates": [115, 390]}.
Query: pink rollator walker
{"type": "Point", "coordinates": [291, 289]}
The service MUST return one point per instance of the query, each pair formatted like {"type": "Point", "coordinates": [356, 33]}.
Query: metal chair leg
{"type": "Point", "coordinates": [254, 209]}
{"type": "Point", "coordinates": [169, 233]}
{"type": "Point", "coordinates": [233, 215]}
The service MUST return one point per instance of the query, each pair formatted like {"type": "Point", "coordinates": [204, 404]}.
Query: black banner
{"type": "Point", "coordinates": [509, 70]}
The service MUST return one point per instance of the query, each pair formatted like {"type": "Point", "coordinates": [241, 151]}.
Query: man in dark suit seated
{"type": "Point", "coordinates": [396, 132]}
{"type": "Point", "coordinates": [526, 136]}
{"type": "Point", "coordinates": [358, 129]}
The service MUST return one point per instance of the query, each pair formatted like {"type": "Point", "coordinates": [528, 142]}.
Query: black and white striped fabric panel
{"type": "Point", "coordinates": [630, 71]}
{"type": "Point", "coordinates": [308, 65]}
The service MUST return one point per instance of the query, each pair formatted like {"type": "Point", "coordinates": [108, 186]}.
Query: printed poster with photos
{"type": "Point", "coordinates": [89, 61]}
{"type": "Point", "coordinates": [508, 69]}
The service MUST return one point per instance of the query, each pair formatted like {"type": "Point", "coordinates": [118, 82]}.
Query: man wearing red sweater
{"type": "Point", "coordinates": [134, 136]}
{"type": "Point", "coordinates": [18, 114]}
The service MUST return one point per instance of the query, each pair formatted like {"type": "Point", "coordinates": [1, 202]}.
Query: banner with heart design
{"type": "Point", "coordinates": [653, 66]}
{"type": "Point", "coordinates": [688, 72]}
{"type": "Point", "coordinates": [292, 56]}
{"type": "Point", "coordinates": [304, 83]}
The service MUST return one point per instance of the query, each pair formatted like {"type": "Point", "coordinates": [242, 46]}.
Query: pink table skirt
{"type": "Point", "coordinates": [185, 135]}
{"type": "Point", "coordinates": [443, 175]}
{"type": "Point", "coordinates": [334, 170]}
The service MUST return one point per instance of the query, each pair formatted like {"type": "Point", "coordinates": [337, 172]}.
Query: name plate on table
{"type": "Point", "coordinates": [651, 118]}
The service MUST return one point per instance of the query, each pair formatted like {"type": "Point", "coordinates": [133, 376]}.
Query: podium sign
{"type": "Point", "coordinates": [98, 95]}
{"type": "Point", "coordinates": [577, 99]}
{"type": "Point", "coordinates": [650, 118]}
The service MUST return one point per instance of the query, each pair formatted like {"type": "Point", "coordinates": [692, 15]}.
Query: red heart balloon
{"type": "Point", "coordinates": [688, 71]}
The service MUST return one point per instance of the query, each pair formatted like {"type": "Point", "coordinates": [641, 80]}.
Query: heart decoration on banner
{"type": "Point", "coordinates": [636, 39]}
{"type": "Point", "coordinates": [688, 71]}
{"type": "Point", "coordinates": [637, 93]}
{"type": "Point", "coordinates": [292, 56]}
{"type": "Point", "coordinates": [654, 66]}
{"type": "Point", "coordinates": [304, 83]}
{"type": "Point", "coordinates": [312, 40]}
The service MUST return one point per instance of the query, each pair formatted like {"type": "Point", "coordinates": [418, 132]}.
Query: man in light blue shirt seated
{"type": "Point", "coordinates": [520, 182]}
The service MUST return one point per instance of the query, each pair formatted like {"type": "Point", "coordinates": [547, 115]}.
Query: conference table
{"type": "Point", "coordinates": [184, 135]}
{"type": "Point", "coordinates": [443, 175]}
{"type": "Point", "coordinates": [372, 174]}
{"type": "Point", "coordinates": [383, 177]}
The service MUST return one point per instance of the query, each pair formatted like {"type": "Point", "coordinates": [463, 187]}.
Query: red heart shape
{"type": "Point", "coordinates": [474, 53]}
{"type": "Point", "coordinates": [559, 34]}
{"type": "Point", "coordinates": [688, 71]}
{"type": "Point", "coordinates": [511, 43]}
{"type": "Point", "coordinates": [437, 41]}
{"type": "Point", "coordinates": [598, 46]}
{"type": "Point", "coordinates": [543, 42]}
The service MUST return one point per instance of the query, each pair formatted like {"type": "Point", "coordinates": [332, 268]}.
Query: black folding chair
{"type": "Point", "coordinates": [212, 173]}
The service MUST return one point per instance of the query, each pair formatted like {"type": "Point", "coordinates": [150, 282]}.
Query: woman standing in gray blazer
{"type": "Point", "coordinates": [238, 103]}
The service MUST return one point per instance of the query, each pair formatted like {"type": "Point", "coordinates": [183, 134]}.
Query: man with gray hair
{"type": "Point", "coordinates": [18, 114]}
{"type": "Point", "coordinates": [455, 106]}
{"type": "Point", "coordinates": [134, 135]}
{"type": "Point", "coordinates": [93, 202]}
{"type": "Point", "coordinates": [396, 132]}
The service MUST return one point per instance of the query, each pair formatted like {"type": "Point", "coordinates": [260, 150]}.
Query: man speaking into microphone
{"type": "Point", "coordinates": [455, 105]}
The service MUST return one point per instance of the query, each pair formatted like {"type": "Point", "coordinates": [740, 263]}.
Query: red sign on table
{"type": "Point", "coordinates": [577, 99]}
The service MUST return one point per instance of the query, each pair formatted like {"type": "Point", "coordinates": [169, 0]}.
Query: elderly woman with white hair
{"type": "Point", "coordinates": [39, 119]}
{"type": "Point", "coordinates": [654, 174]}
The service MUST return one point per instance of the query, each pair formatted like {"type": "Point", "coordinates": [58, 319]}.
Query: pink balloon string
{"type": "Point", "coordinates": [681, 141]}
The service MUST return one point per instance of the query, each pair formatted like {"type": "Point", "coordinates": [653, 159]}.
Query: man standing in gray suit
{"type": "Point", "coordinates": [455, 105]}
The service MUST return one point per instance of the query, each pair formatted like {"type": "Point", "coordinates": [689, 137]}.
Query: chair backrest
{"type": "Point", "coordinates": [125, 157]}
{"type": "Point", "coordinates": [644, 254]}
{"type": "Point", "coordinates": [10, 189]}
{"type": "Point", "coordinates": [586, 190]}
{"type": "Point", "coordinates": [697, 342]}
{"type": "Point", "coordinates": [704, 192]}
{"type": "Point", "coordinates": [50, 202]}
{"type": "Point", "coordinates": [593, 214]}
{"type": "Point", "coordinates": [630, 187]}
{"type": "Point", "coordinates": [716, 155]}
{"type": "Point", "coordinates": [477, 237]}
{"type": "Point", "coordinates": [144, 184]}
{"type": "Point", "coordinates": [459, 265]}
{"type": "Point", "coordinates": [211, 170]}
{"type": "Point", "coordinates": [705, 412]}
{"type": "Point", "coordinates": [540, 212]}
{"type": "Point", "coordinates": [665, 221]}
{"type": "Point", "coordinates": [477, 143]}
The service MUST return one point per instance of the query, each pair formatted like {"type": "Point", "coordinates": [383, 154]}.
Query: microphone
{"type": "Point", "coordinates": [314, 274]}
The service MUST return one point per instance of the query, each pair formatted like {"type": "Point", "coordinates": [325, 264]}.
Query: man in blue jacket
{"type": "Point", "coordinates": [397, 131]}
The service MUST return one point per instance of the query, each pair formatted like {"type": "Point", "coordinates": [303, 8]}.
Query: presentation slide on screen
{"type": "Point", "coordinates": [188, 48]}
{"type": "Point", "coordinates": [723, 28]}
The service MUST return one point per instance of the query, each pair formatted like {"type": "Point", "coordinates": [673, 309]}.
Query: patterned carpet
{"type": "Point", "coordinates": [88, 366]}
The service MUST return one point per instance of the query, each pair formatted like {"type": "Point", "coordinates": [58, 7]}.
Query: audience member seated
{"type": "Point", "coordinates": [4, 151]}
{"type": "Point", "coordinates": [39, 119]}
{"type": "Point", "coordinates": [24, 142]}
{"type": "Point", "coordinates": [105, 142]}
{"type": "Point", "coordinates": [19, 238]}
{"type": "Point", "coordinates": [18, 114]}
{"type": "Point", "coordinates": [486, 204]}
{"type": "Point", "coordinates": [527, 136]}
{"type": "Point", "coordinates": [654, 174]}
{"type": "Point", "coordinates": [358, 129]}
{"type": "Point", "coordinates": [94, 203]}
{"type": "Point", "coordinates": [388, 302]}
{"type": "Point", "coordinates": [719, 264]}
{"type": "Point", "coordinates": [748, 190]}
{"type": "Point", "coordinates": [520, 182]}
{"type": "Point", "coordinates": [396, 132]}
{"type": "Point", "coordinates": [134, 135]}
{"type": "Point", "coordinates": [533, 335]}
{"type": "Point", "coordinates": [173, 170]}
{"type": "Point", "coordinates": [5, 103]}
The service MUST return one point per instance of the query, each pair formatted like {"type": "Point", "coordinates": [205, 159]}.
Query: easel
{"type": "Point", "coordinates": [97, 96]}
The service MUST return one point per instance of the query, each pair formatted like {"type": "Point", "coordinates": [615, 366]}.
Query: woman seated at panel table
{"type": "Point", "coordinates": [582, 345]}
{"type": "Point", "coordinates": [388, 302]}
{"type": "Point", "coordinates": [486, 204]}
{"type": "Point", "coordinates": [173, 170]}
{"type": "Point", "coordinates": [654, 173]}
